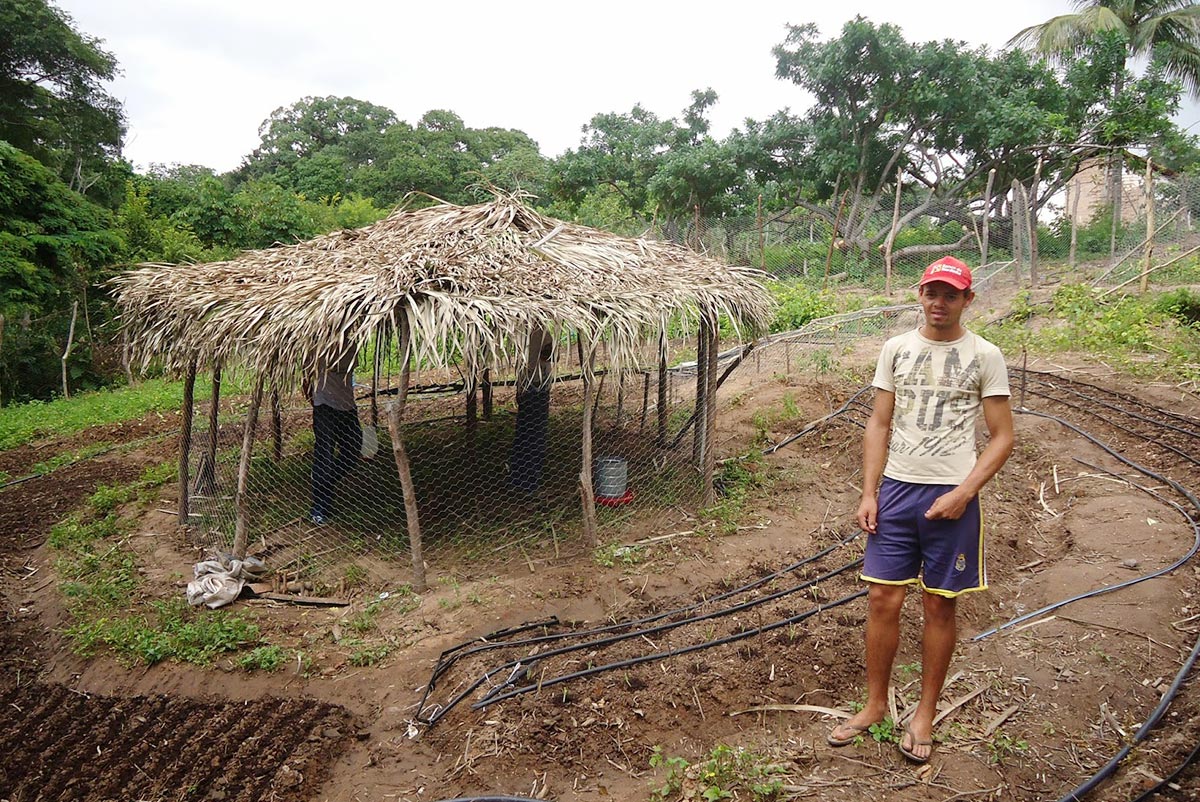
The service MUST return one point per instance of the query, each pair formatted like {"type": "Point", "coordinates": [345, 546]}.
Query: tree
{"type": "Point", "coordinates": [52, 104]}
{"type": "Point", "coordinates": [54, 243]}
{"type": "Point", "coordinates": [314, 145]}
{"type": "Point", "coordinates": [1166, 31]}
{"type": "Point", "coordinates": [940, 114]}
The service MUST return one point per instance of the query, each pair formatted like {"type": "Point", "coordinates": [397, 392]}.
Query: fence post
{"type": "Point", "coordinates": [987, 216]}
{"type": "Point", "coordinates": [241, 503]}
{"type": "Point", "coordinates": [403, 469]}
{"type": "Point", "coordinates": [185, 440]}
{"type": "Point", "coordinates": [762, 239]}
{"type": "Point", "coordinates": [891, 239]}
{"type": "Point", "coordinates": [586, 492]}
{"type": "Point", "coordinates": [1031, 223]}
{"type": "Point", "coordinates": [1145, 282]}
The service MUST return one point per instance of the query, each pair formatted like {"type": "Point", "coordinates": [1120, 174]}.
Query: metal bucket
{"type": "Point", "coordinates": [612, 477]}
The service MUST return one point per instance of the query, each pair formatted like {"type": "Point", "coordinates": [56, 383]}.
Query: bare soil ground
{"type": "Point", "coordinates": [1031, 712]}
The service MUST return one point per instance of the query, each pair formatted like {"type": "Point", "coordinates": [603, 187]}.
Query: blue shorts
{"type": "Point", "coordinates": [944, 557]}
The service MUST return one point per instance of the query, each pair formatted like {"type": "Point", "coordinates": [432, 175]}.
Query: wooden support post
{"type": "Point", "coordinates": [1016, 237]}
{"type": "Point", "coordinates": [67, 351]}
{"type": "Point", "coordinates": [185, 441]}
{"type": "Point", "coordinates": [206, 472]}
{"type": "Point", "coordinates": [762, 238]}
{"type": "Point", "coordinates": [1072, 203]}
{"type": "Point", "coordinates": [241, 525]}
{"type": "Point", "coordinates": [987, 216]}
{"type": "Point", "coordinates": [472, 403]}
{"type": "Point", "coordinates": [710, 414]}
{"type": "Point", "coordinates": [276, 426]}
{"type": "Point", "coordinates": [587, 493]}
{"type": "Point", "coordinates": [701, 388]}
{"type": "Point", "coordinates": [1144, 284]}
{"type": "Point", "coordinates": [403, 469]}
{"type": "Point", "coordinates": [891, 237]}
{"type": "Point", "coordinates": [645, 400]}
{"type": "Point", "coordinates": [663, 378]}
{"type": "Point", "coordinates": [1031, 221]}
{"type": "Point", "coordinates": [487, 393]}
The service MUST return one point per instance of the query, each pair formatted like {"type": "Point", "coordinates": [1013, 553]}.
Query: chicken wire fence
{"type": "Point", "coordinates": [800, 245]}
{"type": "Point", "coordinates": [495, 472]}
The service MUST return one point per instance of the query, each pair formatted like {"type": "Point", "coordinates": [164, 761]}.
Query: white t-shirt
{"type": "Point", "coordinates": [939, 387]}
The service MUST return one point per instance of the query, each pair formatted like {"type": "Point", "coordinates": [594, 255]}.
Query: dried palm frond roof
{"type": "Point", "coordinates": [472, 282]}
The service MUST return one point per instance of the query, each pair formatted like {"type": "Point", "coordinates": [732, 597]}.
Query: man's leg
{"type": "Point", "coordinates": [937, 647]}
{"type": "Point", "coordinates": [322, 467]}
{"type": "Point", "coordinates": [882, 637]}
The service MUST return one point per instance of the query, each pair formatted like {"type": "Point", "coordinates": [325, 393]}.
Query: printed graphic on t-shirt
{"type": "Point", "coordinates": [937, 399]}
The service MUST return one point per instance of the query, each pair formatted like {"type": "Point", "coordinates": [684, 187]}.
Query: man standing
{"type": "Point", "coordinates": [337, 434]}
{"type": "Point", "coordinates": [924, 526]}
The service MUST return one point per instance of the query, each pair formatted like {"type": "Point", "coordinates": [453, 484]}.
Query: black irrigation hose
{"type": "Point", "coordinates": [1101, 402]}
{"type": "Point", "coordinates": [1152, 721]}
{"type": "Point", "coordinates": [492, 698]}
{"type": "Point", "coordinates": [515, 666]}
{"type": "Point", "coordinates": [1158, 787]}
{"type": "Point", "coordinates": [1143, 732]}
{"type": "Point", "coordinates": [841, 410]}
{"type": "Point", "coordinates": [465, 649]}
{"type": "Point", "coordinates": [493, 798]}
{"type": "Point", "coordinates": [1109, 588]}
{"type": "Point", "coordinates": [1178, 452]}
{"type": "Point", "coordinates": [1123, 396]}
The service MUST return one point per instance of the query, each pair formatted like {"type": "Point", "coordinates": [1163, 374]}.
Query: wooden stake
{"type": "Point", "coordinates": [586, 492]}
{"type": "Point", "coordinates": [710, 415]}
{"type": "Point", "coordinates": [403, 469]}
{"type": "Point", "coordinates": [276, 426]}
{"type": "Point", "coordinates": [241, 502]}
{"type": "Point", "coordinates": [891, 238]}
{"type": "Point", "coordinates": [185, 441]}
{"type": "Point", "coordinates": [987, 216]}
{"type": "Point", "coordinates": [67, 351]}
{"type": "Point", "coordinates": [663, 378]}
{"type": "Point", "coordinates": [701, 406]}
{"type": "Point", "coordinates": [1145, 282]}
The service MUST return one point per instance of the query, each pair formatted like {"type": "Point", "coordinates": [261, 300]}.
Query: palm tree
{"type": "Point", "coordinates": [1166, 29]}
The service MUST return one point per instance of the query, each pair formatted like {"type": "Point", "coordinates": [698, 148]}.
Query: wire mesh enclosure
{"type": "Point", "coordinates": [495, 469]}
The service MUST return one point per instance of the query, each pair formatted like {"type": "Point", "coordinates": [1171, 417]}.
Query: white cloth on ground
{"type": "Point", "coordinates": [220, 580]}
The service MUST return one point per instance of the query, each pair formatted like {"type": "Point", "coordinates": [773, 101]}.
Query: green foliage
{"type": "Point", "coordinates": [171, 631]}
{"type": "Point", "coordinates": [1182, 304]}
{"type": "Point", "coordinates": [1003, 746]}
{"type": "Point", "coordinates": [885, 732]}
{"type": "Point", "coordinates": [736, 482]}
{"type": "Point", "coordinates": [727, 773]}
{"type": "Point", "coordinates": [20, 424]}
{"type": "Point", "coordinates": [53, 243]}
{"type": "Point", "coordinates": [618, 553]}
{"type": "Point", "coordinates": [108, 497]}
{"type": "Point", "coordinates": [52, 101]}
{"type": "Point", "coordinates": [1141, 333]}
{"type": "Point", "coordinates": [262, 658]}
{"type": "Point", "coordinates": [797, 304]}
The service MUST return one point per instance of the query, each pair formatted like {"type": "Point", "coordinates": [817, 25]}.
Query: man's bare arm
{"type": "Point", "coordinates": [997, 414]}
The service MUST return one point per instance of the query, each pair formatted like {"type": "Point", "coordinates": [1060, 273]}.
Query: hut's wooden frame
{"type": "Point", "coordinates": [442, 280]}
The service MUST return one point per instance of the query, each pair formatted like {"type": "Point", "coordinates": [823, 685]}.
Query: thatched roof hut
{"type": "Point", "coordinates": [466, 285]}
{"type": "Point", "coordinates": [471, 281]}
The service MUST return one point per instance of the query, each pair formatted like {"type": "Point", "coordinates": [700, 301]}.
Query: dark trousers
{"type": "Point", "coordinates": [338, 439]}
{"type": "Point", "coordinates": [528, 456]}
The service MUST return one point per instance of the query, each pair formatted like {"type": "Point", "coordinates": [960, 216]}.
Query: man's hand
{"type": "Point", "coordinates": [949, 506]}
{"type": "Point", "coordinates": [868, 514]}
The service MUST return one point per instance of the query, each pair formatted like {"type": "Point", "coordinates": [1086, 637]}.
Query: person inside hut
{"type": "Point", "coordinates": [336, 431]}
{"type": "Point", "coordinates": [527, 460]}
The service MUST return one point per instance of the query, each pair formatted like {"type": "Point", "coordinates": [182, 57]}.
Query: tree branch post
{"type": "Point", "coordinates": [586, 492]}
{"type": "Point", "coordinates": [403, 468]}
{"type": "Point", "coordinates": [185, 442]}
{"type": "Point", "coordinates": [241, 525]}
{"type": "Point", "coordinates": [67, 351]}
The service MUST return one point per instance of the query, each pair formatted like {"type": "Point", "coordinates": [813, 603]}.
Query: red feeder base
{"type": "Point", "coordinates": [615, 501]}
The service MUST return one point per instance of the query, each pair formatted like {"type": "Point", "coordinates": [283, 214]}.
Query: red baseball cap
{"type": "Point", "coordinates": [949, 270]}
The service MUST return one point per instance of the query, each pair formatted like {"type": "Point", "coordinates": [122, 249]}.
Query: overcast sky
{"type": "Point", "coordinates": [200, 76]}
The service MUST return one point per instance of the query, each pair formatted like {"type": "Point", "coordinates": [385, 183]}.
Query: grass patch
{"type": "Point", "coordinates": [726, 773]}
{"type": "Point", "coordinates": [99, 580]}
{"type": "Point", "coordinates": [1150, 335]}
{"type": "Point", "coordinates": [736, 482]}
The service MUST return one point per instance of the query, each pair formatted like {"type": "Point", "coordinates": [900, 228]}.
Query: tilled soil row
{"type": "Point", "coordinates": [59, 744]}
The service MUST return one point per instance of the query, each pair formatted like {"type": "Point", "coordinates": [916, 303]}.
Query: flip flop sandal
{"type": "Point", "coordinates": [858, 730]}
{"type": "Point", "coordinates": [908, 753]}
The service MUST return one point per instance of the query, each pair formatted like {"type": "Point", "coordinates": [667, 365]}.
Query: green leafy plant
{"type": "Point", "coordinates": [263, 658]}
{"type": "Point", "coordinates": [728, 772]}
{"type": "Point", "coordinates": [1003, 746]}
